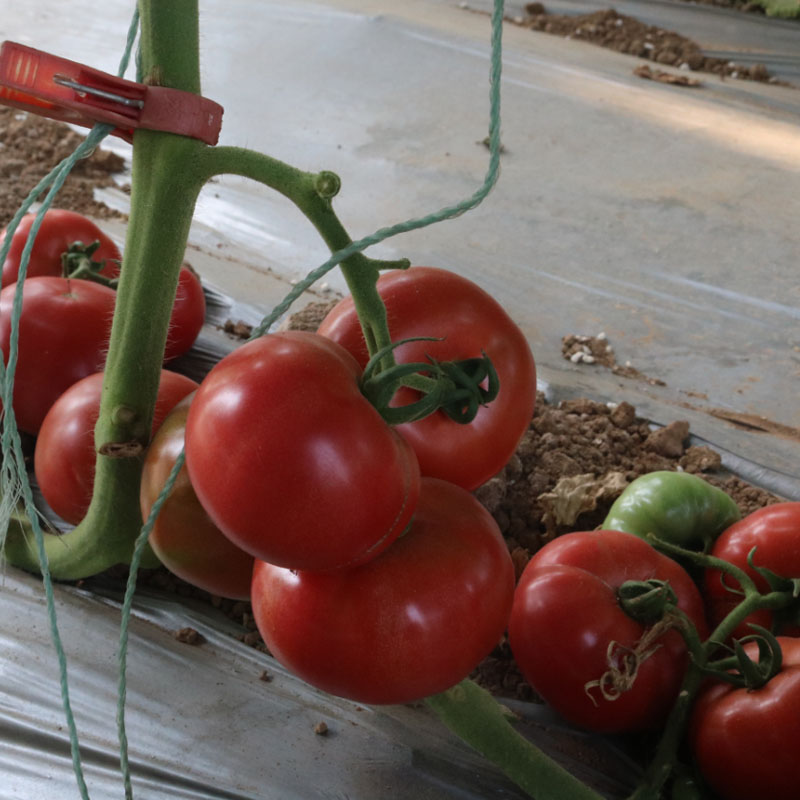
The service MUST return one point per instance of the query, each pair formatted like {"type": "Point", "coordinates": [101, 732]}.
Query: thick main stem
{"type": "Point", "coordinates": [166, 180]}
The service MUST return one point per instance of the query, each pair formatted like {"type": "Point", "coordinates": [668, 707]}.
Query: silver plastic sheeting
{"type": "Point", "coordinates": [202, 724]}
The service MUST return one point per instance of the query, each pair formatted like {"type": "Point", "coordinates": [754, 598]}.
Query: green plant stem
{"type": "Point", "coordinates": [312, 194]}
{"type": "Point", "coordinates": [475, 716]}
{"type": "Point", "coordinates": [167, 177]}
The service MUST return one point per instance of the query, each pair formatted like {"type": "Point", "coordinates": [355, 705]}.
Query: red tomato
{"type": "Point", "coordinates": [59, 229]}
{"type": "Point", "coordinates": [64, 458]}
{"type": "Point", "coordinates": [566, 616]}
{"type": "Point", "coordinates": [410, 623]}
{"type": "Point", "coordinates": [183, 537]}
{"type": "Point", "coordinates": [423, 301]}
{"type": "Point", "coordinates": [775, 533]}
{"type": "Point", "coordinates": [292, 462]}
{"type": "Point", "coordinates": [188, 314]}
{"type": "Point", "coordinates": [745, 740]}
{"type": "Point", "coordinates": [63, 337]}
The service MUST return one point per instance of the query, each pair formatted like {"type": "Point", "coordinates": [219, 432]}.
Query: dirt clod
{"type": "Point", "coordinates": [189, 636]}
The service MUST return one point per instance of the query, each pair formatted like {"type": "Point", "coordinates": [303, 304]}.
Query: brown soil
{"type": "Point", "coordinates": [31, 147]}
{"type": "Point", "coordinates": [625, 34]}
{"type": "Point", "coordinates": [570, 466]}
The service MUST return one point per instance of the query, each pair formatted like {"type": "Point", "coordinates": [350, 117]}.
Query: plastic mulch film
{"type": "Point", "coordinates": [202, 722]}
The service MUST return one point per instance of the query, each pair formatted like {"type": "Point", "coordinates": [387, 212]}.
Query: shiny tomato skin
{"type": "Point", "coordinates": [292, 462]}
{"type": "Point", "coordinates": [64, 458]}
{"type": "Point", "coordinates": [410, 623]}
{"type": "Point", "coordinates": [183, 536]}
{"type": "Point", "coordinates": [745, 741]}
{"type": "Point", "coordinates": [426, 301]}
{"type": "Point", "coordinates": [59, 230]}
{"type": "Point", "coordinates": [775, 533]}
{"type": "Point", "coordinates": [188, 314]}
{"type": "Point", "coordinates": [63, 337]}
{"type": "Point", "coordinates": [566, 614]}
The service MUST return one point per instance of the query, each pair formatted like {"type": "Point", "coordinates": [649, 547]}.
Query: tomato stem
{"type": "Point", "coordinates": [312, 194]}
{"type": "Point", "coordinates": [474, 715]}
{"type": "Point", "coordinates": [166, 179]}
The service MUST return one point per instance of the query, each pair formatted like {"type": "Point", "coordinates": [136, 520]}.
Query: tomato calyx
{"type": "Point", "coordinates": [77, 262]}
{"type": "Point", "coordinates": [653, 603]}
{"type": "Point", "coordinates": [646, 601]}
{"type": "Point", "coordinates": [457, 388]}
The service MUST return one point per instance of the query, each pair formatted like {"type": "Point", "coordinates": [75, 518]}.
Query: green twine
{"type": "Point", "coordinates": [13, 479]}
{"type": "Point", "coordinates": [127, 604]}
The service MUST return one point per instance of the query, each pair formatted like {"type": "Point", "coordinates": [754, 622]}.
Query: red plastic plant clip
{"type": "Point", "coordinates": [65, 90]}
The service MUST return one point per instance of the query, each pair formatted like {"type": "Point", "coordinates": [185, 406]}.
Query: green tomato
{"type": "Point", "coordinates": [676, 507]}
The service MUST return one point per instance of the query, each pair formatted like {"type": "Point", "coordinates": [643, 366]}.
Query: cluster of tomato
{"type": "Point", "coordinates": [602, 669]}
{"type": "Point", "coordinates": [64, 328]}
{"type": "Point", "coordinates": [377, 575]}
{"type": "Point", "coordinates": [373, 572]}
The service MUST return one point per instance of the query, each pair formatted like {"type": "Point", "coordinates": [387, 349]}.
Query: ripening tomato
{"type": "Point", "coordinates": [410, 623]}
{"type": "Point", "coordinates": [63, 337]}
{"type": "Point", "coordinates": [64, 458]}
{"type": "Point", "coordinates": [184, 537]}
{"type": "Point", "coordinates": [774, 531]}
{"type": "Point", "coordinates": [292, 462]}
{"type": "Point", "coordinates": [424, 301]}
{"type": "Point", "coordinates": [745, 740]}
{"type": "Point", "coordinates": [59, 230]}
{"type": "Point", "coordinates": [188, 314]}
{"type": "Point", "coordinates": [568, 631]}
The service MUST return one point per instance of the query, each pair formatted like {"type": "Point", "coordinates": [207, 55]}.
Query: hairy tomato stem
{"type": "Point", "coordinates": [166, 180]}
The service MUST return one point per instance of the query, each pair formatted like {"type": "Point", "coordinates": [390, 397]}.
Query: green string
{"type": "Point", "coordinates": [14, 482]}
